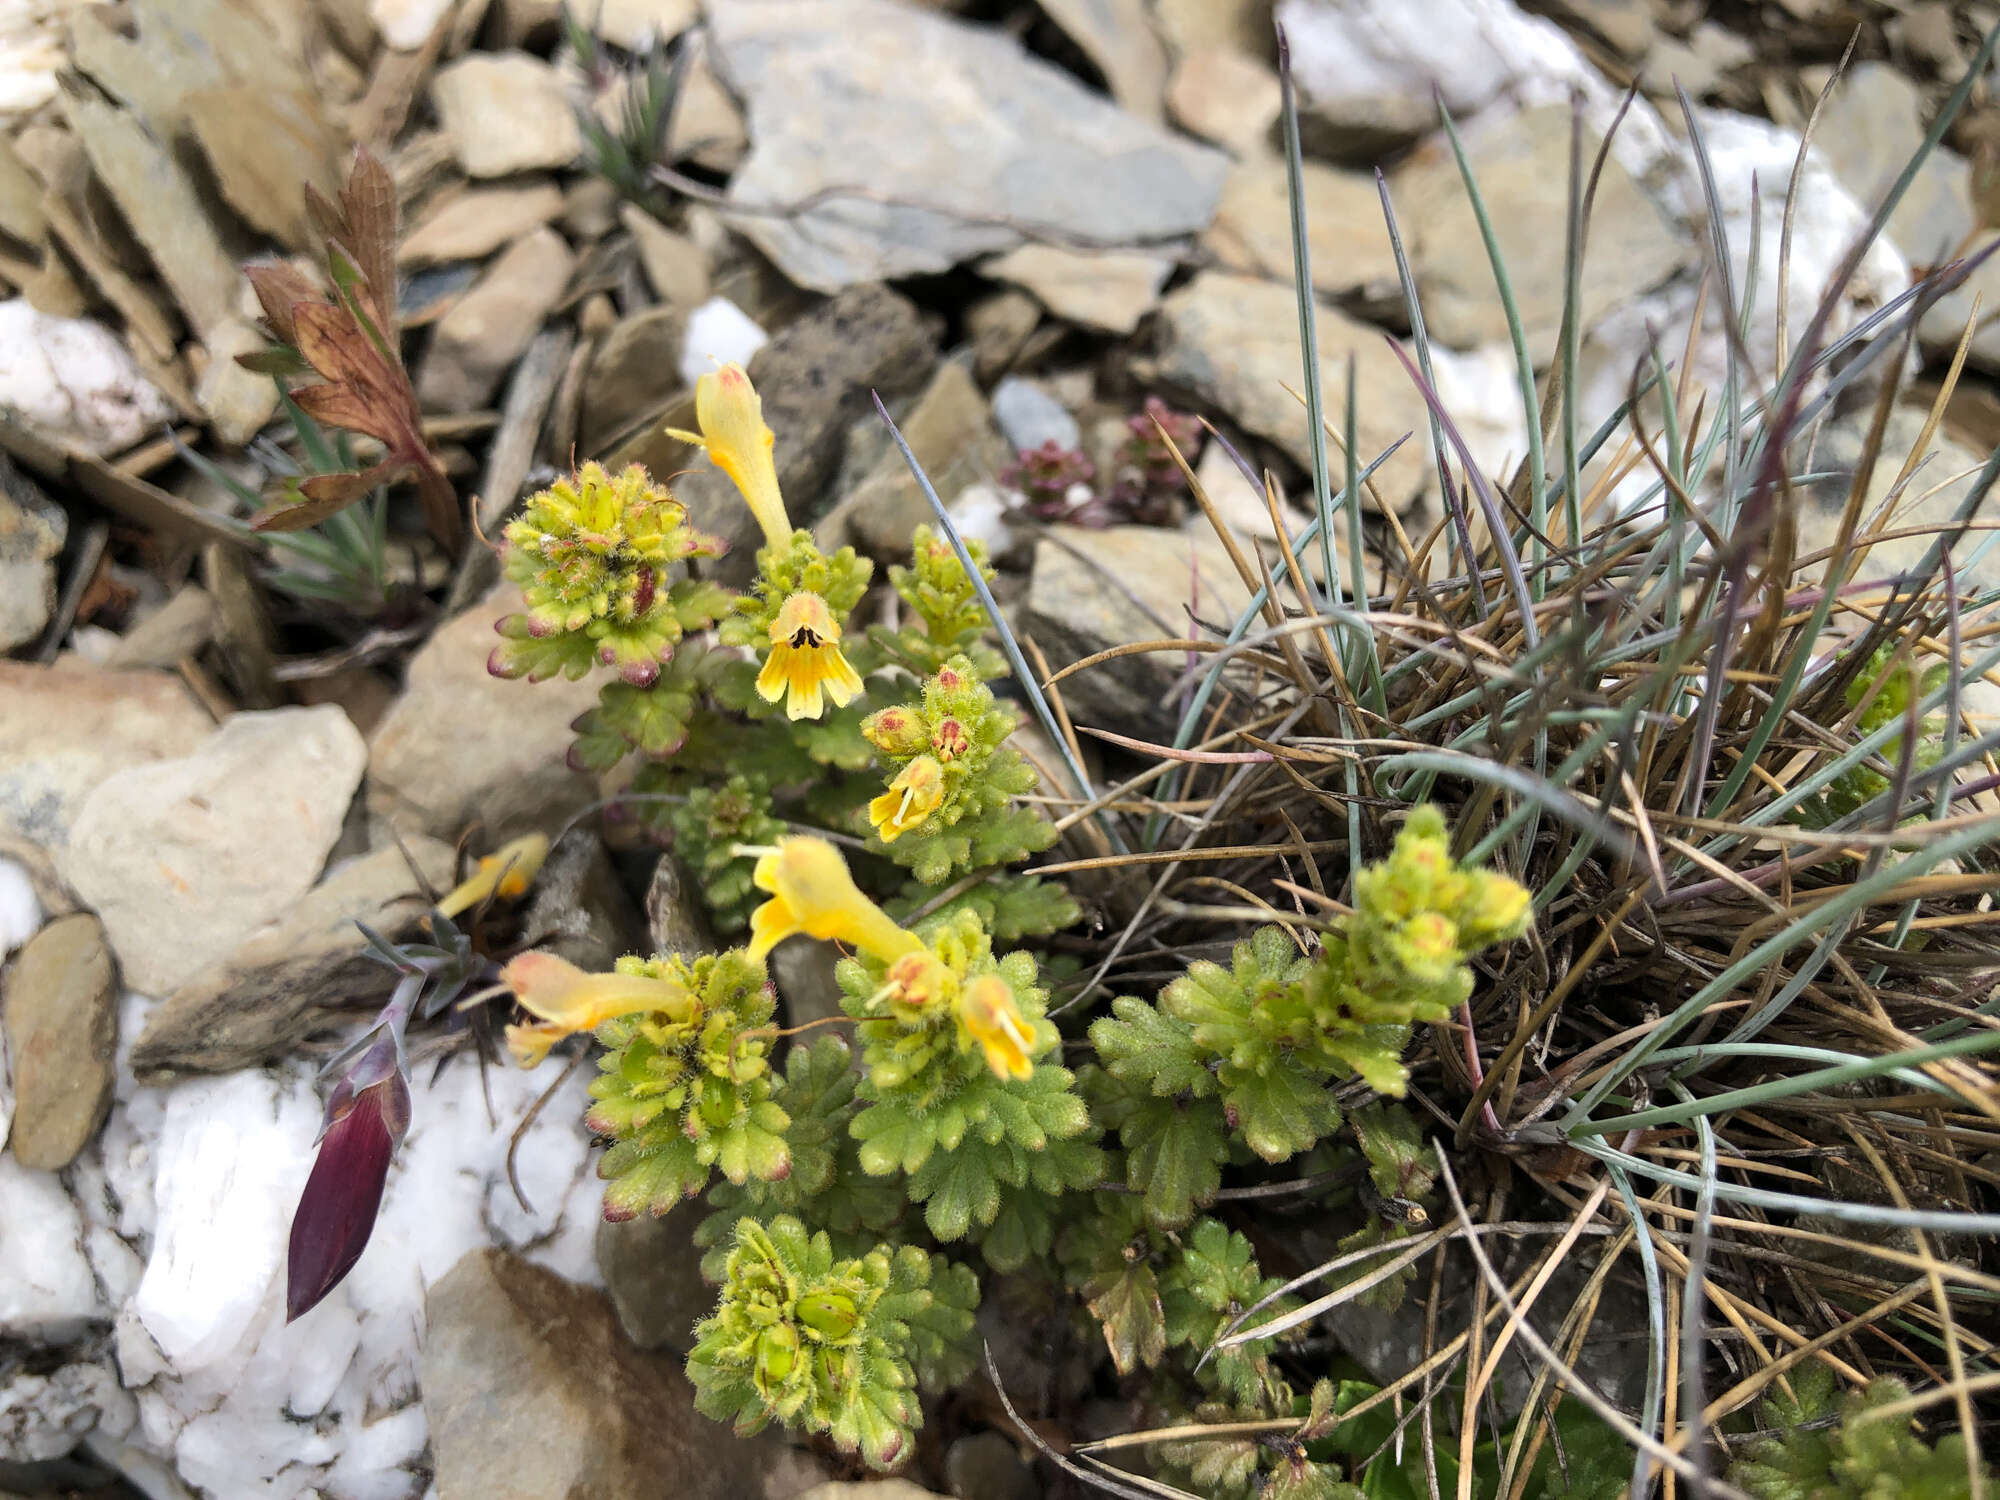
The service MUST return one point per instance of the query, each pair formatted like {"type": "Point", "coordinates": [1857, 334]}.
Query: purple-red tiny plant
{"type": "Point", "coordinates": [368, 1110]}
{"type": "Point", "coordinates": [1146, 482]}
{"type": "Point", "coordinates": [1046, 477]}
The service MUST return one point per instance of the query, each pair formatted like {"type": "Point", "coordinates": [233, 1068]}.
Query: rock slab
{"type": "Point", "coordinates": [186, 858]}
{"type": "Point", "coordinates": [532, 1391]}
{"type": "Point", "coordinates": [950, 129]}
{"type": "Point", "coordinates": [61, 1023]}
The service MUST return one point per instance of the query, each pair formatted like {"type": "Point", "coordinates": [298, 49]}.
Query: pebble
{"type": "Point", "coordinates": [1226, 97]}
{"type": "Point", "coordinates": [184, 859]}
{"type": "Point", "coordinates": [908, 104]}
{"type": "Point", "coordinates": [579, 908]}
{"type": "Point", "coordinates": [502, 763]}
{"type": "Point", "coordinates": [1347, 236]}
{"type": "Point", "coordinates": [265, 143]}
{"type": "Point", "coordinates": [20, 910]}
{"type": "Point", "coordinates": [407, 24]}
{"type": "Point", "coordinates": [635, 24]}
{"type": "Point", "coordinates": [652, 1273]}
{"type": "Point", "coordinates": [988, 1466]}
{"type": "Point", "coordinates": [999, 326]}
{"type": "Point", "coordinates": [1234, 341]}
{"type": "Point", "coordinates": [505, 112]}
{"type": "Point", "coordinates": [1030, 416]}
{"type": "Point", "coordinates": [47, 1292]}
{"type": "Point", "coordinates": [1118, 37]}
{"type": "Point", "coordinates": [61, 1019]}
{"type": "Point", "coordinates": [624, 383]}
{"type": "Point", "coordinates": [236, 401]}
{"type": "Point", "coordinates": [1522, 165]}
{"type": "Point", "coordinates": [477, 342]}
{"type": "Point", "coordinates": [1109, 290]}
{"type": "Point", "coordinates": [951, 432]}
{"type": "Point", "coordinates": [306, 972]}
{"type": "Point", "coordinates": [64, 729]}
{"type": "Point", "coordinates": [43, 1416]}
{"type": "Point", "coordinates": [676, 267]}
{"type": "Point", "coordinates": [1137, 584]}
{"type": "Point", "coordinates": [178, 628]}
{"type": "Point", "coordinates": [531, 1390]}
{"type": "Point", "coordinates": [74, 381]}
{"type": "Point", "coordinates": [478, 221]}
{"type": "Point", "coordinates": [32, 531]}
{"type": "Point", "coordinates": [719, 333]}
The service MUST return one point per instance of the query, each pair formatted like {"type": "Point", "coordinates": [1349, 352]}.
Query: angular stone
{"type": "Point", "coordinates": [1117, 35]}
{"type": "Point", "coordinates": [305, 972]}
{"type": "Point", "coordinates": [652, 1272]}
{"type": "Point", "coordinates": [532, 1391]}
{"type": "Point", "coordinates": [61, 1022]}
{"type": "Point", "coordinates": [1226, 97]}
{"type": "Point", "coordinates": [185, 859]}
{"type": "Point", "coordinates": [1234, 341]}
{"type": "Point", "coordinates": [178, 628]}
{"type": "Point", "coordinates": [918, 108]}
{"type": "Point", "coordinates": [44, 1416]}
{"type": "Point", "coordinates": [65, 729]}
{"type": "Point", "coordinates": [462, 745]}
{"type": "Point", "coordinates": [477, 342]}
{"type": "Point", "coordinates": [1029, 416]}
{"type": "Point", "coordinates": [74, 381]}
{"type": "Point", "coordinates": [1347, 237]}
{"type": "Point", "coordinates": [1872, 124]}
{"type": "Point", "coordinates": [634, 373]}
{"type": "Point", "coordinates": [475, 223]}
{"type": "Point", "coordinates": [236, 401]}
{"type": "Point", "coordinates": [47, 1292]}
{"type": "Point", "coordinates": [815, 377]}
{"type": "Point", "coordinates": [1111, 290]}
{"type": "Point", "coordinates": [1137, 585]}
{"type": "Point", "coordinates": [505, 112]}
{"type": "Point", "coordinates": [580, 909]}
{"type": "Point", "coordinates": [632, 24]}
{"type": "Point", "coordinates": [675, 919]}
{"type": "Point", "coordinates": [266, 146]}
{"type": "Point", "coordinates": [952, 434]}
{"type": "Point", "coordinates": [32, 531]}
{"type": "Point", "coordinates": [675, 266]}
{"type": "Point", "coordinates": [407, 24]}
{"type": "Point", "coordinates": [1522, 167]}
{"type": "Point", "coordinates": [163, 209]}
{"type": "Point", "coordinates": [999, 327]}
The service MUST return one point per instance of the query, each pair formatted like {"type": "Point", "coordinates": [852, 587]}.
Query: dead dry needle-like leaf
{"type": "Point", "coordinates": [349, 340]}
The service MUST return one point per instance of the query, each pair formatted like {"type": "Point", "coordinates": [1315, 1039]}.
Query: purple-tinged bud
{"type": "Point", "coordinates": [500, 663]}
{"type": "Point", "coordinates": [639, 674]}
{"type": "Point", "coordinates": [336, 1212]}
{"type": "Point", "coordinates": [642, 590]}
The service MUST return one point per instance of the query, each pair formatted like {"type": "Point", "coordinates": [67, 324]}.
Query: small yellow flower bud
{"type": "Point", "coordinates": [894, 731]}
{"type": "Point", "coordinates": [736, 439]}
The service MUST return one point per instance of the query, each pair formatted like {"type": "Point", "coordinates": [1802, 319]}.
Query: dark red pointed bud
{"type": "Point", "coordinates": [336, 1212]}
{"type": "Point", "coordinates": [642, 591]}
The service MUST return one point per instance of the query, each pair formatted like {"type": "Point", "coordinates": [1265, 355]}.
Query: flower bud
{"type": "Point", "coordinates": [950, 740]}
{"type": "Point", "coordinates": [829, 1313]}
{"type": "Point", "coordinates": [894, 731]}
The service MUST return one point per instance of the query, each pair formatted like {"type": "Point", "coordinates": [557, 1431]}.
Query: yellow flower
{"type": "Point", "coordinates": [811, 892]}
{"type": "Point", "coordinates": [913, 796]}
{"type": "Point", "coordinates": [915, 983]}
{"type": "Point", "coordinates": [568, 1000]}
{"type": "Point", "coordinates": [805, 658]}
{"type": "Point", "coordinates": [507, 873]}
{"type": "Point", "coordinates": [733, 435]}
{"type": "Point", "coordinates": [987, 1011]}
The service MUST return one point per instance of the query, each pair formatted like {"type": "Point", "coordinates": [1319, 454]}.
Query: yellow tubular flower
{"type": "Point", "coordinates": [987, 1011]}
{"type": "Point", "coordinates": [811, 892]}
{"type": "Point", "coordinates": [805, 660]}
{"type": "Point", "coordinates": [913, 796]}
{"type": "Point", "coordinates": [507, 873]}
{"type": "Point", "coordinates": [733, 435]}
{"type": "Point", "coordinates": [568, 1000]}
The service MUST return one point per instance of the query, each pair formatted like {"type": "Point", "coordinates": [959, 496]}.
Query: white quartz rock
{"type": "Point", "coordinates": [719, 333]}
{"type": "Point", "coordinates": [47, 1293]}
{"type": "Point", "coordinates": [329, 1405]}
{"type": "Point", "coordinates": [20, 909]}
{"type": "Point", "coordinates": [73, 379]}
{"type": "Point", "coordinates": [43, 1416]}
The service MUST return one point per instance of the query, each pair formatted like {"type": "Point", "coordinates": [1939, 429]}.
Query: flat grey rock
{"type": "Point", "coordinates": [956, 137]}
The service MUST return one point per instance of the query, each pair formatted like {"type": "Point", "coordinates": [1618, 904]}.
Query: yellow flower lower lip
{"type": "Point", "coordinates": [566, 1000]}
{"type": "Point", "coordinates": [812, 892]}
{"type": "Point", "coordinates": [913, 796]}
{"type": "Point", "coordinates": [806, 666]}
{"type": "Point", "coordinates": [987, 1011]}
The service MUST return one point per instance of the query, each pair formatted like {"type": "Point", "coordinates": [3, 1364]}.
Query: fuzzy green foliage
{"type": "Point", "coordinates": [1401, 1170]}
{"type": "Point", "coordinates": [708, 827]}
{"type": "Point", "coordinates": [1009, 906]}
{"type": "Point", "coordinates": [1290, 1465]}
{"type": "Point", "coordinates": [797, 567]}
{"type": "Point", "coordinates": [968, 817]}
{"type": "Point", "coordinates": [830, 1344]}
{"type": "Point", "coordinates": [1859, 1457]}
{"type": "Point", "coordinates": [681, 1098]}
{"type": "Point", "coordinates": [652, 720]}
{"type": "Point", "coordinates": [594, 556]}
{"type": "Point", "coordinates": [942, 597]}
{"type": "Point", "coordinates": [934, 1110]}
{"type": "Point", "coordinates": [826, 1187]}
{"type": "Point", "coordinates": [1884, 691]}
{"type": "Point", "coordinates": [1251, 1050]}
{"type": "Point", "coordinates": [1156, 1291]}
